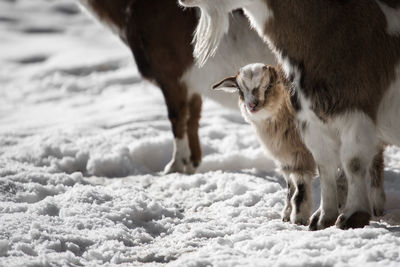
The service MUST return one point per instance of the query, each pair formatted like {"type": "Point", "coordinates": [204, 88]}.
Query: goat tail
{"type": "Point", "coordinates": [213, 25]}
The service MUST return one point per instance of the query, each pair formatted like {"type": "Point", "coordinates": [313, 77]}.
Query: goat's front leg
{"type": "Point", "coordinates": [359, 146]}
{"type": "Point", "coordinates": [327, 213]}
{"type": "Point", "coordinates": [302, 198]}
{"type": "Point", "coordinates": [177, 104]}
{"type": "Point", "coordinates": [323, 144]}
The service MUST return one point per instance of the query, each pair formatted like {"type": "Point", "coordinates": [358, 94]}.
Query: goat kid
{"type": "Point", "coordinates": [343, 59]}
{"type": "Point", "coordinates": [159, 34]}
{"type": "Point", "coordinates": [264, 101]}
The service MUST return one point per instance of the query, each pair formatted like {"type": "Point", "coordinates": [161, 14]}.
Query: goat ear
{"type": "Point", "coordinates": [273, 74]}
{"type": "Point", "coordinates": [228, 84]}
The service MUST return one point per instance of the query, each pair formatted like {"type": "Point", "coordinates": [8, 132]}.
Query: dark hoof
{"type": "Point", "coordinates": [314, 223]}
{"type": "Point", "coordinates": [318, 223]}
{"type": "Point", "coordinates": [358, 219]}
{"type": "Point", "coordinates": [286, 213]}
{"type": "Point", "coordinates": [301, 222]}
{"type": "Point", "coordinates": [378, 212]}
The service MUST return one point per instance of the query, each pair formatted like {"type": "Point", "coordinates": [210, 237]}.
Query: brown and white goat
{"type": "Point", "coordinates": [264, 100]}
{"type": "Point", "coordinates": [343, 58]}
{"type": "Point", "coordinates": [265, 104]}
{"type": "Point", "coordinates": [159, 34]}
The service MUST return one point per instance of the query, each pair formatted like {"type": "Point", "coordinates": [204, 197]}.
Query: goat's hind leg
{"type": "Point", "coordinates": [287, 209]}
{"type": "Point", "coordinates": [177, 105]}
{"type": "Point", "coordinates": [195, 103]}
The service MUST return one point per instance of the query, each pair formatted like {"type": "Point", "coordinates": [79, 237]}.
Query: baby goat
{"type": "Point", "coordinates": [265, 103]}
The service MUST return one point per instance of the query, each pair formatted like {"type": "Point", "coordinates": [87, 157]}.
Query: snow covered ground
{"type": "Point", "coordinates": [83, 141]}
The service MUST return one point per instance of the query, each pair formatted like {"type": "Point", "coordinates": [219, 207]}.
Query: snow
{"type": "Point", "coordinates": [84, 140]}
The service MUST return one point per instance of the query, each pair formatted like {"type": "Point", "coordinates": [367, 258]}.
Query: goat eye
{"type": "Point", "coordinates": [240, 92]}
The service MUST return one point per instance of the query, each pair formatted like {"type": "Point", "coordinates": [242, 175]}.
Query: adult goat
{"type": "Point", "coordinates": [342, 57]}
{"type": "Point", "coordinates": [159, 34]}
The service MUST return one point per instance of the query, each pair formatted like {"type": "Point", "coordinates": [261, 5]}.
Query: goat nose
{"type": "Point", "coordinates": [253, 104]}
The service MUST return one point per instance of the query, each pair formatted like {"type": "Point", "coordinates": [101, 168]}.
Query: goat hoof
{"type": "Point", "coordinates": [314, 221]}
{"type": "Point", "coordinates": [286, 217]}
{"type": "Point", "coordinates": [183, 166]}
{"type": "Point", "coordinates": [300, 221]}
{"type": "Point", "coordinates": [358, 219]}
{"type": "Point", "coordinates": [300, 218]}
{"type": "Point", "coordinates": [286, 213]}
{"type": "Point", "coordinates": [378, 211]}
{"type": "Point", "coordinates": [190, 168]}
{"type": "Point", "coordinates": [173, 167]}
{"type": "Point", "coordinates": [319, 221]}
{"type": "Point", "coordinates": [378, 199]}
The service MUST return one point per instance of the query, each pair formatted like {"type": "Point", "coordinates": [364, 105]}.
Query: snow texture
{"type": "Point", "coordinates": [83, 142]}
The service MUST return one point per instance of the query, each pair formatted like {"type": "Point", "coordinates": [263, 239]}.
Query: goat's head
{"type": "Point", "coordinates": [257, 86]}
